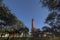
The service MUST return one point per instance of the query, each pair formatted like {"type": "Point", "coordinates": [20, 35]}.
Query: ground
{"type": "Point", "coordinates": [24, 38]}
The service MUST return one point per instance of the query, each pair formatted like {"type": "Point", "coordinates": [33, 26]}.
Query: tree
{"type": "Point", "coordinates": [25, 31]}
{"type": "Point", "coordinates": [7, 16]}
{"type": "Point", "coordinates": [9, 19]}
{"type": "Point", "coordinates": [51, 4]}
{"type": "Point", "coordinates": [46, 29]}
{"type": "Point", "coordinates": [53, 18]}
{"type": "Point", "coordinates": [36, 33]}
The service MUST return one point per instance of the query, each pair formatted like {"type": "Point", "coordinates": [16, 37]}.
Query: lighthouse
{"type": "Point", "coordinates": [32, 27]}
{"type": "Point", "coordinates": [32, 24]}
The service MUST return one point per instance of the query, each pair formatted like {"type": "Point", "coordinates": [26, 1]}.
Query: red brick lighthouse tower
{"type": "Point", "coordinates": [32, 27]}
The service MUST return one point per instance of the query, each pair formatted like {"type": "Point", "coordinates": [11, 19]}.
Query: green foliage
{"type": "Point", "coordinates": [53, 18]}
{"type": "Point", "coordinates": [46, 29]}
{"type": "Point", "coordinates": [30, 38]}
{"type": "Point", "coordinates": [51, 4]}
{"type": "Point", "coordinates": [8, 17]}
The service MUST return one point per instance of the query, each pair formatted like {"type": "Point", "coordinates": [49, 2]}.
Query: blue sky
{"type": "Point", "coordinates": [25, 10]}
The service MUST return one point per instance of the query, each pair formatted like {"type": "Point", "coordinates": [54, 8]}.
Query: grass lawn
{"type": "Point", "coordinates": [24, 38]}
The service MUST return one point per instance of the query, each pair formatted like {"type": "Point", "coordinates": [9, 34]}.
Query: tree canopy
{"type": "Point", "coordinates": [53, 18]}
{"type": "Point", "coordinates": [8, 17]}
{"type": "Point", "coordinates": [51, 4]}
